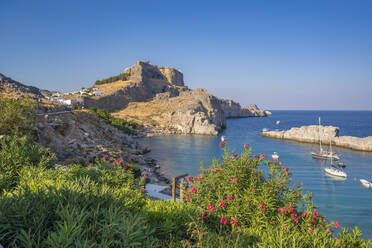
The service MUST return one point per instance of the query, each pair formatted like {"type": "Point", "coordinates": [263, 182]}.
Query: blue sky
{"type": "Point", "coordinates": [302, 54]}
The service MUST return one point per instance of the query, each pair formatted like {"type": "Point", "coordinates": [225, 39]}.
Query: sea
{"type": "Point", "coordinates": [345, 201]}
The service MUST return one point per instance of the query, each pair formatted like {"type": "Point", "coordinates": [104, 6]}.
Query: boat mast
{"type": "Point", "coordinates": [320, 140]}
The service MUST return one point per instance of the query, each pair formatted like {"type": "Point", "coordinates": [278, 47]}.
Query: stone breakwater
{"type": "Point", "coordinates": [312, 134]}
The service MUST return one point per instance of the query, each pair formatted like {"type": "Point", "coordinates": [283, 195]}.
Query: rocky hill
{"type": "Point", "coordinates": [158, 98]}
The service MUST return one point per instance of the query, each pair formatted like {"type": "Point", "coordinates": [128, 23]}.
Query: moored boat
{"type": "Point", "coordinates": [275, 156]}
{"type": "Point", "coordinates": [335, 172]}
{"type": "Point", "coordinates": [365, 183]}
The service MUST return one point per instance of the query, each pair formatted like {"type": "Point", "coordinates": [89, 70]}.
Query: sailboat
{"type": "Point", "coordinates": [333, 170]}
{"type": "Point", "coordinates": [324, 154]}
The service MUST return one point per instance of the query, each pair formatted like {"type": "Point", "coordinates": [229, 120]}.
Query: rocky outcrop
{"type": "Point", "coordinates": [327, 134]}
{"type": "Point", "coordinates": [234, 110]}
{"type": "Point", "coordinates": [191, 112]}
{"type": "Point", "coordinates": [12, 87]}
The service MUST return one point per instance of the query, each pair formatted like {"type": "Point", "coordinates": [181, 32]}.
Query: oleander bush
{"type": "Point", "coordinates": [128, 127]}
{"type": "Point", "coordinates": [17, 153]}
{"type": "Point", "coordinates": [17, 116]}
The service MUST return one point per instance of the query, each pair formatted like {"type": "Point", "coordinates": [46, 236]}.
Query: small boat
{"type": "Point", "coordinates": [335, 172]}
{"type": "Point", "coordinates": [275, 156]}
{"type": "Point", "coordinates": [265, 130]}
{"type": "Point", "coordinates": [277, 122]}
{"type": "Point", "coordinates": [365, 183]}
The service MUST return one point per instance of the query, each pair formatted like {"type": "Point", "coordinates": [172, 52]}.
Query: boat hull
{"type": "Point", "coordinates": [323, 157]}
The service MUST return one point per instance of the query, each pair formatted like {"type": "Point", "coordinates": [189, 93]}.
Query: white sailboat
{"type": "Point", "coordinates": [275, 156]}
{"type": "Point", "coordinates": [324, 154]}
{"type": "Point", "coordinates": [332, 170]}
{"type": "Point", "coordinates": [365, 183]}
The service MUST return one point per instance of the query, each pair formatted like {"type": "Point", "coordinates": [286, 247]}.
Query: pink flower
{"type": "Point", "coordinates": [253, 191]}
{"type": "Point", "coordinates": [223, 221]}
{"type": "Point", "coordinates": [204, 215]}
{"type": "Point", "coordinates": [286, 169]}
{"type": "Point", "coordinates": [249, 199]}
{"type": "Point", "coordinates": [303, 214]}
{"type": "Point", "coordinates": [229, 197]}
{"type": "Point", "coordinates": [294, 216]}
{"type": "Point", "coordinates": [232, 157]}
{"type": "Point", "coordinates": [125, 167]}
{"type": "Point", "coordinates": [105, 157]}
{"type": "Point", "coordinates": [222, 144]}
{"type": "Point", "coordinates": [193, 190]}
{"type": "Point", "coordinates": [131, 169]}
{"type": "Point", "coordinates": [280, 163]}
{"type": "Point", "coordinates": [116, 161]}
{"type": "Point", "coordinates": [284, 227]}
{"type": "Point", "coordinates": [189, 178]}
{"type": "Point", "coordinates": [222, 204]}
{"type": "Point", "coordinates": [337, 225]}
{"type": "Point", "coordinates": [310, 229]}
{"type": "Point", "coordinates": [324, 220]}
{"type": "Point", "coordinates": [246, 146]}
{"type": "Point", "coordinates": [234, 180]}
{"type": "Point", "coordinates": [215, 170]}
{"type": "Point", "coordinates": [262, 207]}
{"type": "Point", "coordinates": [263, 155]}
{"type": "Point", "coordinates": [255, 156]}
{"type": "Point", "coordinates": [188, 198]}
{"type": "Point", "coordinates": [195, 179]}
{"type": "Point", "coordinates": [121, 160]}
{"type": "Point", "coordinates": [234, 222]}
{"type": "Point", "coordinates": [311, 194]}
{"type": "Point", "coordinates": [143, 190]}
{"type": "Point", "coordinates": [236, 155]}
{"type": "Point", "coordinates": [281, 210]}
{"type": "Point", "coordinates": [209, 206]}
{"type": "Point", "coordinates": [315, 213]}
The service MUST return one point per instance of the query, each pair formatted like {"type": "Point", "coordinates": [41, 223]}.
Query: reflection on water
{"type": "Point", "coordinates": [344, 200]}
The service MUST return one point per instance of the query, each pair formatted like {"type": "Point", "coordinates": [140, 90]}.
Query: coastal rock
{"type": "Point", "coordinates": [327, 134]}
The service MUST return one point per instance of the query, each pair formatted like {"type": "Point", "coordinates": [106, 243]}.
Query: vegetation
{"type": "Point", "coordinates": [122, 76]}
{"type": "Point", "coordinates": [240, 201]}
{"type": "Point", "coordinates": [17, 116]}
{"type": "Point", "coordinates": [128, 127]}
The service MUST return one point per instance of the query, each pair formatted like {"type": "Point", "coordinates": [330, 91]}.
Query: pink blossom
{"type": "Point", "coordinates": [246, 146]}
{"type": "Point", "coordinates": [253, 191]}
{"type": "Point", "coordinates": [324, 220]}
{"type": "Point", "coordinates": [286, 169]}
{"type": "Point", "coordinates": [280, 163]}
{"type": "Point", "coordinates": [223, 221]}
{"type": "Point", "coordinates": [105, 157]}
{"type": "Point", "coordinates": [209, 206]}
{"type": "Point", "coordinates": [303, 214]}
{"type": "Point", "coordinates": [204, 215]}
{"type": "Point", "coordinates": [311, 194]}
{"type": "Point", "coordinates": [263, 155]}
{"type": "Point", "coordinates": [121, 160]}
{"type": "Point", "coordinates": [315, 213]}
{"type": "Point", "coordinates": [193, 190]}
{"type": "Point", "coordinates": [311, 230]}
{"type": "Point", "coordinates": [249, 199]}
{"type": "Point", "coordinates": [234, 180]}
{"type": "Point", "coordinates": [131, 169]}
{"type": "Point", "coordinates": [222, 204]}
{"type": "Point", "coordinates": [188, 198]}
{"type": "Point", "coordinates": [337, 225]}
{"type": "Point", "coordinates": [284, 227]}
{"type": "Point", "coordinates": [143, 190]}
{"type": "Point", "coordinates": [189, 178]}
{"type": "Point", "coordinates": [195, 179]}
{"type": "Point", "coordinates": [232, 157]}
{"type": "Point", "coordinates": [229, 197]}
{"type": "Point", "coordinates": [215, 169]}
{"type": "Point", "coordinates": [236, 155]}
{"type": "Point", "coordinates": [281, 210]}
{"type": "Point", "coordinates": [262, 206]}
{"type": "Point", "coordinates": [234, 222]}
{"type": "Point", "coordinates": [116, 161]}
{"type": "Point", "coordinates": [222, 144]}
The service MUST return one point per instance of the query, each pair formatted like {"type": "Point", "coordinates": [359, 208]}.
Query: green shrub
{"type": "Point", "coordinates": [122, 76]}
{"type": "Point", "coordinates": [17, 153]}
{"type": "Point", "coordinates": [128, 127]}
{"type": "Point", "coordinates": [17, 116]}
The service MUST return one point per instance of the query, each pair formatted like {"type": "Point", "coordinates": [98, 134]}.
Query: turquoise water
{"type": "Point", "coordinates": [345, 201]}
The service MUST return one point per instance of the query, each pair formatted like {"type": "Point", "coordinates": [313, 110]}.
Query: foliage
{"type": "Point", "coordinates": [122, 76]}
{"type": "Point", "coordinates": [17, 116]}
{"type": "Point", "coordinates": [246, 196]}
{"type": "Point", "coordinates": [128, 127]}
{"type": "Point", "coordinates": [17, 153]}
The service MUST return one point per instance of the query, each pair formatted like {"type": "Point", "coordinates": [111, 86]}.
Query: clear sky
{"type": "Point", "coordinates": [300, 54]}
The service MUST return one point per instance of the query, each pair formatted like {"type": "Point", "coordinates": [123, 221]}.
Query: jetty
{"type": "Point", "coordinates": [327, 134]}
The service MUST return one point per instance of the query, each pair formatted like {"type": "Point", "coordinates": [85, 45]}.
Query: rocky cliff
{"type": "Point", "coordinates": [158, 98]}
{"type": "Point", "coordinates": [327, 134]}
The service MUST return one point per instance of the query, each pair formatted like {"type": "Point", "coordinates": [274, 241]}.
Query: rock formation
{"type": "Point", "coordinates": [327, 134]}
{"type": "Point", "coordinates": [158, 98]}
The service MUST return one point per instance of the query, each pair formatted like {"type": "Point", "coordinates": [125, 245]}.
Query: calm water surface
{"type": "Point", "coordinates": [343, 200]}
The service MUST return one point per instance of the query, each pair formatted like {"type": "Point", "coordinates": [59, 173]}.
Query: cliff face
{"type": "Point", "coordinates": [327, 134]}
{"type": "Point", "coordinates": [158, 98]}
{"type": "Point", "coordinates": [11, 88]}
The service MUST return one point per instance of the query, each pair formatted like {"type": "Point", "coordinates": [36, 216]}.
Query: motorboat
{"type": "Point", "coordinates": [365, 183]}
{"type": "Point", "coordinates": [341, 164]}
{"type": "Point", "coordinates": [277, 122]}
{"type": "Point", "coordinates": [335, 172]}
{"type": "Point", "coordinates": [275, 156]}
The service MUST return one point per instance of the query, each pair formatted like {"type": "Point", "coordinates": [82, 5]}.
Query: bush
{"type": "Point", "coordinates": [122, 76]}
{"type": "Point", "coordinates": [17, 153]}
{"type": "Point", "coordinates": [128, 127]}
{"type": "Point", "coordinates": [17, 116]}
{"type": "Point", "coordinates": [247, 196]}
